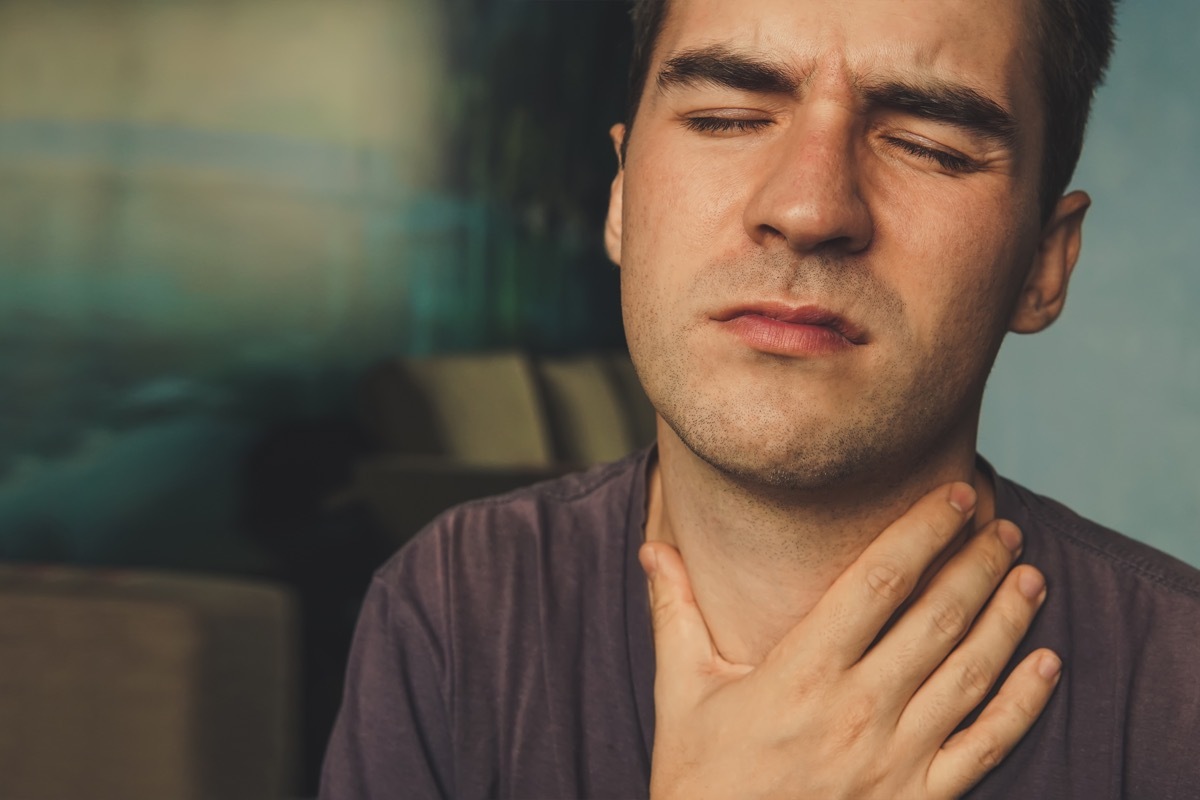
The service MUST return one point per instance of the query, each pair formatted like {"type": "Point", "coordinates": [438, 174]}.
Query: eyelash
{"type": "Point", "coordinates": [947, 161]}
{"type": "Point", "coordinates": [725, 124]}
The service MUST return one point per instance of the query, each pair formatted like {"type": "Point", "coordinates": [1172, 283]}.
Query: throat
{"type": "Point", "coordinates": [758, 568]}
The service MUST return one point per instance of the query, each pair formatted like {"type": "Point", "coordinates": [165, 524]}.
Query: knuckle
{"type": "Point", "coordinates": [802, 690]}
{"type": "Point", "coordinates": [664, 615]}
{"type": "Point", "coordinates": [974, 678]}
{"type": "Point", "coordinates": [995, 560]}
{"type": "Point", "coordinates": [887, 583]}
{"type": "Point", "coordinates": [929, 530]}
{"type": "Point", "coordinates": [855, 718]}
{"type": "Point", "coordinates": [950, 621]}
{"type": "Point", "coordinates": [1013, 625]}
{"type": "Point", "coordinates": [989, 752]}
{"type": "Point", "coordinates": [1026, 708]}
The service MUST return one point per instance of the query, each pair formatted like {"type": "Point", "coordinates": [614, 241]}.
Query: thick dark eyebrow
{"type": "Point", "coordinates": [960, 106]}
{"type": "Point", "coordinates": [720, 66]}
{"type": "Point", "coordinates": [931, 99]}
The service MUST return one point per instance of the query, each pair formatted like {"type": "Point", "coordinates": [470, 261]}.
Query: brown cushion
{"type": "Point", "coordinates": [586, 410]}
{"type": "Point", "coordinates": [144, 685]}
{"type": "Point", "coordinates": [478, 409]}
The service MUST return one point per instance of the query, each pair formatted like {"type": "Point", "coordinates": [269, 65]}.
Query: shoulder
{"type": "Point", "coordinates": [1126, 613]}
{"type": "Point", "coordinates": [582, 508]}
{"type": "Point", "coordinates": [510, 554]}
{"type": "Point", "coordinates": [1125, 617]}
{"type": "Point", "coordinates": [1095, 549]}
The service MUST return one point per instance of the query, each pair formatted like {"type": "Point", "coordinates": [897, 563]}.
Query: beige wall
{"type": "Point", "coordinates": [354, 72]}
{"type": "Point", "coordinates": [213, 166]}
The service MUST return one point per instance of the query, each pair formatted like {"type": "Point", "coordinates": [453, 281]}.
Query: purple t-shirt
{"type": "Point", "coordinates": [506, 651]}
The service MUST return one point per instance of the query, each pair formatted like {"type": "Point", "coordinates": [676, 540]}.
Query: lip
{"type": "Point", "coordinates": [791, 330]}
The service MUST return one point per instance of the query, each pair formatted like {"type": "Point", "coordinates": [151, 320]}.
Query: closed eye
{"type": "Point", "coordinates": [947, 161]}
{"type": "Point", "coordinates": [725, 124]}
{"type": "Point", "coordinates": [950, 162]}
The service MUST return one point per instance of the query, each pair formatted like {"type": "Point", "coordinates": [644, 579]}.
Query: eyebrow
{"type": "Point", "coordinates": [718, 65]}
{"type": "Point", "coordinates": [928, 98]}
{"type": "Point", "coordinates": [953, 104]}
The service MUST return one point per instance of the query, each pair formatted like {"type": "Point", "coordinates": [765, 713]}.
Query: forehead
{"type": "Point", "coordinates": [986, 44]}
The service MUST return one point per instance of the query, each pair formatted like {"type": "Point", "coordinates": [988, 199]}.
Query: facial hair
{"type": "Point", "coordinates": [767, 423]}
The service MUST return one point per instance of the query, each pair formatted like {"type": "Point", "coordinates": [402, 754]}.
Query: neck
{"type": "Point", "coordinates": [759, 562]}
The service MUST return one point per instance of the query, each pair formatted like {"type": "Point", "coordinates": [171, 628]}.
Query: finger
{"type": "Point", "coordinates": [858, 604]}
{"type": "Point", "coordinates": [926, 632]}
{"type": "Point", "coordinates": [683, 649]}
{"type": "Point", "coordinates": [974, 752]}
{"type": "Point", "coordinates": [967, 675]}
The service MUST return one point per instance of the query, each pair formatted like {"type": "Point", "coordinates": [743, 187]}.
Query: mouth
{"type": "Point", "coordinates": [780, 317]}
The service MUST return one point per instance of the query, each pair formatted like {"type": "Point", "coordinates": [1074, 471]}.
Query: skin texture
{"type": "Point", "coordinates": [778, 472]}
{"type": "Point", "coordinates": [831, 711]}
{"type": "Point", "coordinates": [819, 206]}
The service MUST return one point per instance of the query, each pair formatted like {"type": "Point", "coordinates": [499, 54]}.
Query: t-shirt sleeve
{"type": "Point", "coordinates": [392, 735]}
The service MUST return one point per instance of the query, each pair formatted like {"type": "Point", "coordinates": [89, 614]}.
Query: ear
{"type": "Point", "coordinates": [612, 224]}
{"type": "Point", "coordinates": [1045, 290]}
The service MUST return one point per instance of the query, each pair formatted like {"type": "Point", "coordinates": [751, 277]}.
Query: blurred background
{"type": "Point", "coordinates": [246, 246]}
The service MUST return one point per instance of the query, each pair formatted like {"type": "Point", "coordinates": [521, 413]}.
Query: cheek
{"type": "Point", "coordinates": [683, 210]}
{"type": "Point", "coordinates": [961, 262]}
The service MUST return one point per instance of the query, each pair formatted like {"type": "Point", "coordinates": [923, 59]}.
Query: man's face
{"type": "Point", "coordinates": [797, 161]}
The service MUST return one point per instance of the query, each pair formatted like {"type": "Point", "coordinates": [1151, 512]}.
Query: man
{"type": "Point", "coordinates": [827, 217]}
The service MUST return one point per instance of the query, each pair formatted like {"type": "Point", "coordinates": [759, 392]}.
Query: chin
{"type": "Point", "coordinates": [802, 472]}
{"type": "Point", "coordinates": [802, 457]}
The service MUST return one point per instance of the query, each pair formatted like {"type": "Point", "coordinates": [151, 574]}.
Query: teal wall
{"type": "Point", "coordinates": [1103, 410]}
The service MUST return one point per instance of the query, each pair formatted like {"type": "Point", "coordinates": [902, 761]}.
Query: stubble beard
{"type": "Point", "coordinates": [781, 445]}
{"type": "Point", "coordinates": [794, 449]}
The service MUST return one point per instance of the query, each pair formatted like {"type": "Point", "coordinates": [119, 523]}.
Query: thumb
{"type": "Point", "coordinates": [684, 650]}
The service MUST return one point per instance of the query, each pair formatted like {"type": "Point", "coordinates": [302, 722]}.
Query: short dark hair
{"type": "Point", "coordinates": [1075, 39]}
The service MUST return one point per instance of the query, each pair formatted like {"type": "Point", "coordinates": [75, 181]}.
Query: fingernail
{"type": "Point", "coordinates": [1031, 583]}
{"type": "Point", "coordinates": [962, 498]}
{"type": "Point", "coordinates": [1011, 536]}
{"type": "Point", "coordinates": [1049, 666]}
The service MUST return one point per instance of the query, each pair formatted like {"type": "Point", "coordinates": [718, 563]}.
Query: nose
{"type": "Point", "coordinates": [809, 193]}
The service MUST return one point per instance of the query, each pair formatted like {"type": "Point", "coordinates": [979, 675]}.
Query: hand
{"type": "Point", "coordinates": [833, 713]}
